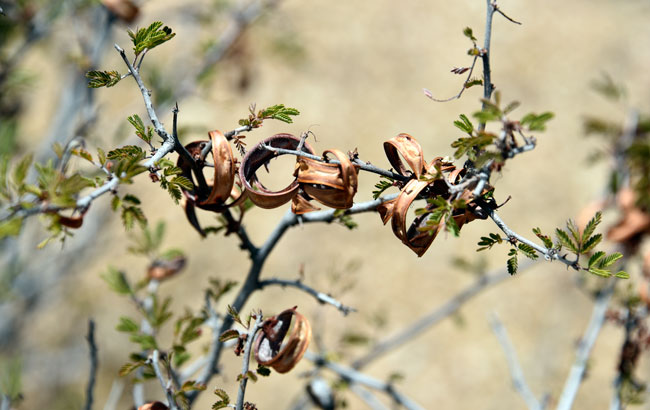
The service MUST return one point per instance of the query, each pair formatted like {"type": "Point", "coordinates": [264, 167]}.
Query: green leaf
{"type": "Point", "coordinates": [132, 214]}
{"type": "Point", "coordinates": [464, 124]}
{"type": "Point", "coordinates": [127, 325]}
{"type": "Point", "coordinates": [140, 131]}
{"type": "Point", "coordinates": [512, 263]}
{"type": "Point", "coordinates": [610, 260]}
{"type": "Point", "coordinates": [564, 239]}
{"type": "Point", "coordinates": [117, 281]}
{"type": "Point", "coordinates": [548, 243]}
{"type": "Point", "coordinates": [469, 33]}
{"type": "Point", "coordinates": [381, 186]}
{"type": "Point", "coordinates": [229, 334]}
{"type": "Point", "coordinates": [251, 376]}
{"type": "Point", "coordinates": [150, 37]}
{"type": "Point", "coordinates": [591, 226]}
{"type": "Point", "coordinates": [622, 275]}
{"type": "Point", "coordinates": [11, 227]}
{"type": "Point", "coordinates": [595, 258]}
{"type": "Point", "coordinates": [102, 156]}
{"type": "Point", "coordinates": [600, 272]}
{"type": "Point", "coordinates": [473, 81]}
{"type": "Point", "coordinates": [232, 312]}
{"type": "Point", "coordinates": [126, 152]}
{"type": "Point", "coordinates": [182, 182]}
{"type": "Point", "coordinates": [225, 399]}
{"type": "Point", "coordinates": [279, 112]}
{"type": "Point", "coordinates": [536, 122]}
{"type": "Point", "coordinates": [131, 199]}
{"type": "Point", "coordinates": [528, 250]}
{"type": "Point", "coordinates": [145, 341]}
{"type": "Point", "coordinates": [511, 107]}
{"type": "Point", "coordinates": [591, 243]}
{"type": "Point", "coordinates": [99, 79]}
{"type": "Point", "coordinates": [192, 385]}
{"type": "Point", "coordinates": [20, 171]}
{"type": "Point", "coordinates": [129, 368]}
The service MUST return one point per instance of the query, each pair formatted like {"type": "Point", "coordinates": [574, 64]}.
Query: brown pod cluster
{"type": "Point", "coordinates": [332, 185]}
{"type": "Point", "coordinates": [278, 348]}
{"type": "Point", "coordinates": [396, 210]}
{"type": "Point", "coordinates": [223, 184]}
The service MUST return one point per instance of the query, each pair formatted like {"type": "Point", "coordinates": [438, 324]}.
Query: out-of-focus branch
{"type": "Point", "coordinates": [320, 296]}
{"type": "Point", "coordinates": [518, 379]}
{"type": "Point", "coordinates": [166, 386]}
{"type": "Point", "coordinates": [578, 369]}
{"type": "Point", "coordinates": [353, 376]}
{"type": "Point", "coordinates": [435, 316]}
{"type": "Point", "coordinates": [93, 365]}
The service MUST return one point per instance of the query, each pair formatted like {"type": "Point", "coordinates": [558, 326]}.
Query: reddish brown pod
{"type": "Point", "coordinates": [126, 10]}
{"type": "Point", "coordinates": [156, 405]}
{"type": "Point", "coordinates": [282, 341]}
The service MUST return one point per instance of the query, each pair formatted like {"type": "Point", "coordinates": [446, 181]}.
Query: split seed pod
{"type": "Point", "coordinates": [257, 157]}
{"type": "Point", "coordinates": [274, 348]}
{"type": "Point", "coordinates": [332, 185]}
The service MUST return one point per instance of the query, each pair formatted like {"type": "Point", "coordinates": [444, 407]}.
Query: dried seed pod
{"type": "Point", "coordinates": [410, 149]}
{"type": "Point", "coordinates": [224, 169]}
{"type": "Point", "coordinates": [257, 157]}
{"type": "Point", "coordinates": [126, 10]}
{"type": "Point", "coordinates": [274, 348]}
{"type": "Point", "coordinates": [161, 269]}
{"type": "Point", "coordinates": [333, 185]}
{"type": "Point", "coordinates": [156, 405]}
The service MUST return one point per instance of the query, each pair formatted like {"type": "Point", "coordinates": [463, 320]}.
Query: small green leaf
{"type": "Point", "coordinates": [192, 385]}
{"type": "Point", "coordinates": [622, 275]}
{"type": "Point", "coordinates": [381, 186]}
{"type": "Point", "coordinates": [528, 250]}
{"type": "Point", "coordinates": [595, 258]}
{"type": "Point", "coordinates": [251, 376]}
{"type": "Point", "coordinates": [129, 368]}
{"type": "Point", "coordinates": [145, 341]}
{"type": "Point", "coordinates": [126, 152]}
{"type": "Point", "coordinates": [600, 272]}
{"type": "Point", "coordinates": [229, 334]}
{"type": "Point", "coordinates": [20, 171]}
{"type": "Point", "coordinates": [102, 78]}
{"type": "Point", "coordinates": [150, 37]}
{"type": "Point", "coordinates": [548, 243]}
{"type": "Point", "coordinates": [512, 264]}
{"type": "Point", "coordinates": [610, 260]}
{"type": "Point", "coordinates": [117, 281]}
{"type": "Point", "coordinates": [127, 325]}
{"type": "Point", "coordinates": [225, 399]}
{"type": "Point", "coordinates": [591, 243]}
{"type": "Point", "coordinates": [10, 227]}
{"type": "Point", "coordinates": [591, 226]}
{"type": "Point", "coordinates": [564, 239]}
{"type": "Point", "coordinates": [469, 33]}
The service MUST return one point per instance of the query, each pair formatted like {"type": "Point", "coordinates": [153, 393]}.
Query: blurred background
{"type": "Point", "coordinates": [355, 70]}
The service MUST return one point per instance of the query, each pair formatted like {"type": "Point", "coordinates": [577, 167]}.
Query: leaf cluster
{"type": "Point", "coordinates": [274, 112]}
{"type": "Point", "coordinates": [172, 180]}
{"type": "Point", "coordinates": [97, 78]}
{"type": "Point", "coordinates": [150, 37]}
{"type": "Point", "coordinates": [440, 211]}
{"type": "Point", "coordinates": [144, 134]}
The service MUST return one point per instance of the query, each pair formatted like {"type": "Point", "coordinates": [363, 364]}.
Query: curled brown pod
{"type": "Point", "coordinates": [416, 240]}
{"type": "Point", "coordinates": [256, 158]}
{"type": "Point", "coordinates": [224, 169]}
{"type": "Point", "coordinates": [410, 149]}
{"type": "Point", "coordinates": [156, 405]}
{"type": "Point", "coordinates": [275, 348]}
{"type": "Point", "coordinates": [332, 185]}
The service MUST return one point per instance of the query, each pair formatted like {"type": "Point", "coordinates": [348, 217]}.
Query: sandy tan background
{"type": "Point", "coordinates": [356, 71]}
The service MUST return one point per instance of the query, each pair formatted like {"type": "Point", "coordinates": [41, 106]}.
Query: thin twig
{"type": "Point", "coordinates": [246, 361]}
{"type": "Point", "coordinates": [166, 386]}
{"type": "Point", "coordinates": [518, 379]}
{"type": "Point", "coordinates": [93, 365]}
{"type": "Point", "coordinates": [435, 316]}
{"type": "Point", "coordinates": [362, 165]}
{"type": "Point", "coordinates": [462, 90]}
{"type": "Point", "coordinates": [320, 296]}
{"type": "Point", "coordinates": [578, 370]}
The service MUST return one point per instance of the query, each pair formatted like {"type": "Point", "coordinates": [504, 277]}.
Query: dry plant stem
{"type": "Point", "coordinates": [548, 254]}
{"type": "Point", "coordinates": [320, 296]}
{"type": "Point", "coordinates": [252, 281]}
{"type": "Point", "coordinates": [352, 376]}
{"type": "Point", "coordinates": [488, 87]}
{"type": "Point", "coordinates": [155, 362]}
{"type": "Point", "coordinates": [93, 365]}
{"type": "Point", "coordinates": [362, 165]}
{"type": "Point", "coordinates": [247, 357]}
{"type": "Point", "coordinates": [462, 90]}
{"type": "Point", "coordinates": [436, 315]}
{"type": "Point", "coordinates": [579, 367]}
{"type": "Point", "coordinates": [518, 379]}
